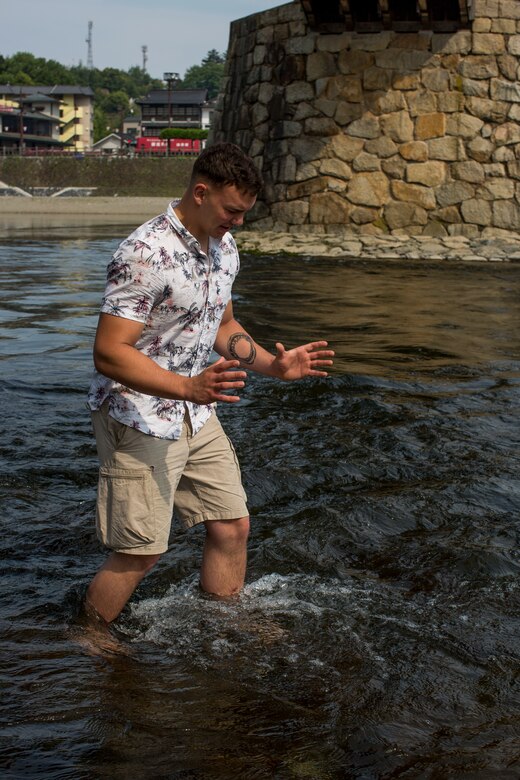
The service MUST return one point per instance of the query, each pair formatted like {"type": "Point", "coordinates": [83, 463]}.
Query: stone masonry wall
{"type": "Point", "coordinates": [413, 133]}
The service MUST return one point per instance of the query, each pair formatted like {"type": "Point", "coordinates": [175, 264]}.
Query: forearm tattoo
{"type": "Point", "coordinates": [234, 342]}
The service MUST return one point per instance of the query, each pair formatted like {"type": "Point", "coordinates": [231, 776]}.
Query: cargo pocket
{"type": "Point", "coordinates": [125, 516]}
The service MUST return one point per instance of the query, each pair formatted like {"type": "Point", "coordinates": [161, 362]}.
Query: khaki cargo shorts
{"type": "Point", "coordinates": [143, 479]}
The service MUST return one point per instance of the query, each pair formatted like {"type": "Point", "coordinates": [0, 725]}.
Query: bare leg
{"type": "Point", "coordinates": [225, 556]}
{"type": "Point", "coordinates": [115, 582]}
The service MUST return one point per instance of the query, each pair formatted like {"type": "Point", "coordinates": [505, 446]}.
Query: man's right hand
{"type": "Point", "coordinates": [209, 386]}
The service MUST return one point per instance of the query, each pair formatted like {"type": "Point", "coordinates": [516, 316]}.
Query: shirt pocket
{"type": "Point", "coordinates": [125, 510]}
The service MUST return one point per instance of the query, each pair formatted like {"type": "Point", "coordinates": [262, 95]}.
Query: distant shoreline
{"type": "Point", "coordinates": [87, 206]}
{"type": "Point", "coordinates": [22, 217]}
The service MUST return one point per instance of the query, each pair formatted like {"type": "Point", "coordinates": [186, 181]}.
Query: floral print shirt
{"type": "Point", "coordinates": [161, 277]}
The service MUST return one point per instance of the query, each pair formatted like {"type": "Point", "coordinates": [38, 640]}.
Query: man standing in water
{"type": "Point", "coordinates": [167, 305]}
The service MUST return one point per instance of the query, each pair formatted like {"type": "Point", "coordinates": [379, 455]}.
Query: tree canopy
{"type": "Point", "coordinates": [114, 89]}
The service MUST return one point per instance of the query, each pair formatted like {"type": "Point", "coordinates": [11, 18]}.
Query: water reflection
{"type": "Point", "coordinates": [377, 636]}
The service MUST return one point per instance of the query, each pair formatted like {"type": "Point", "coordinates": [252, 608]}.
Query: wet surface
{"type": "Point", "coordinates": [377, 636]}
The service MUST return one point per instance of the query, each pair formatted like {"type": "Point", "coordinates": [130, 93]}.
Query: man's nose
{"type": "Point", "coordinates": [238, 220]}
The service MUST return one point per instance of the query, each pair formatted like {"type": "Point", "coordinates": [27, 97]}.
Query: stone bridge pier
{"type": "Point", "coordinates": [382, 116]}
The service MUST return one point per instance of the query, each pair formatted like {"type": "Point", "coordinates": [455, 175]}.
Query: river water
{"type": "Point", "coordinates": [377, 635]}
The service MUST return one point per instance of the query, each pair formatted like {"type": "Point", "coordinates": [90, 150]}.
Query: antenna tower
{"type": "Point", "coordinates": [144, 49]}
{"type": "Point", "coordinates": [90, 61]}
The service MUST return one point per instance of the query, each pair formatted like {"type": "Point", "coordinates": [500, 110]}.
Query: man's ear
{"type": "Point", "coordinates": [200, 191]}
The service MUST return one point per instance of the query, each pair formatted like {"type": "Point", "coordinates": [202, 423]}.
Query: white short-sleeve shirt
{"type": "Point", "coordinates": [161, 277]}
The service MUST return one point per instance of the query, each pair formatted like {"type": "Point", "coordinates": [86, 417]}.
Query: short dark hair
{"type": "Point", "coordinates": [226, 164]}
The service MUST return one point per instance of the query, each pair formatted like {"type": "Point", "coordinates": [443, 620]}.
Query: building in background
{"type": "Point", "coordinates": [163, 108]}
{"type": "Point", "coordinates": [45, 117]}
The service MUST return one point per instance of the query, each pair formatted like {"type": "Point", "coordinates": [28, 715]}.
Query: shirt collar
{"type": "Point", "coordinates": [185, 234]}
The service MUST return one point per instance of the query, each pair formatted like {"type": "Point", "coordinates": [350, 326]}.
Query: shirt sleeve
{"type": "Point", "coordinates": [132, 285]}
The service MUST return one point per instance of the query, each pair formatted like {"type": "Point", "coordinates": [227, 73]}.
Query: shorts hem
{"type": "Point", "coordinates": [190, 522]}
{"type": "Point", "coordinates": [145, 550]}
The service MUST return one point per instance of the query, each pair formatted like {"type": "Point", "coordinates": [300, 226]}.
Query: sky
{"type": "Point", "coordinates": [178, 33]}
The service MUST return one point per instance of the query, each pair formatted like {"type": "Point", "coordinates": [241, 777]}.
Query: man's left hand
{"type": "Point", "coordinates": [297, 363]}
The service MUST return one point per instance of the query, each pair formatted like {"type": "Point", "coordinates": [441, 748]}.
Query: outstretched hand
{"type": "Point", "coordinates": [303, 361]}
{"type": "Point", "coordinates": [209, 386]}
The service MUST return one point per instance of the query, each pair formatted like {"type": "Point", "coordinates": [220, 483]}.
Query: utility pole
{"type": "Point", "coordinates": [144, 49]}
{"type": "Point", "coordinates": [90, 60]}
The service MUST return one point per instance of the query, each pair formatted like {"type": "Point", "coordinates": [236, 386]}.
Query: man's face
{"type": "Point", "coordinates": [222, 208]}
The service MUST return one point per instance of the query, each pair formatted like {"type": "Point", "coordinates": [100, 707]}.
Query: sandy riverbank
{"type": "Point", "coordinates": [19, 216]}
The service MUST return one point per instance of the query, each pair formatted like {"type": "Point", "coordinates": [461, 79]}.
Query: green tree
{"type": "Point", "coordinates": [208, 75]}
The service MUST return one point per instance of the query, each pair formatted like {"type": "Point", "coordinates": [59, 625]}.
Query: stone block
{"type": "Point", "coordinates": [376, 78]}
{"type": "Point", "coordinates": [307, 149]}
{"type": "Point", "coordinates": [371, 42]}
{"type": "Point", "coordinates": [452, 43]}
{"type": "Point", "coordinates": [430, 126]}
{"type": "Point", "coordinates": [476, 211]}
{"type": "Point", "coordinates": [368, 189]}
{"type": "Point", "coordinates": [320, 64]}
{"type": "Point", "coordinates": [354, 62]}
{"type": "Point", "coordinates": [480, 149]}
{"type": "Point", "coordinates": [286, 129]}
{"type": "Point", "coordinates": [505, 90]}
{"type": "Point", "coordinates": [486, 8]}
{"type": "Point", "coordinates": [508, 66]}
{"type": "Point", "coordinates": [294, 212]}
{"type": "Point", "coordinates": [478, 67]}
{"type": "Point", "coordinates": [510, 9]}
{"type": "Point", "coordinates": [454, 192]}
{"type": "Point", "coordinates": [463, 125]}
{"type": "Point", "coordinates": [421, 102]}
{"type": "Point", "coordinates": [488, 43]}
{"type": "Point", "coordinates": [391, 102]}
{"type": "Point", "coordinates": [361, 215]}
{"type": "Point", "coordinates": [497, 189]}
{"type": "Point", "coordinates": [513, 169]}
{"type": "Point", "coordinates": [321, 126]}
{"type": "Point", "coordinates": [398, 126]}
{"type": "Point", "coordinates": [494, 170]}
{"type": "Point", "coordinates": [506, 214]}
{"type": "Point", "coordinates": [297, 92]}
{"type": "Point", "coordinates": [504, 154]}
{"type": "Point", "coordinates": [334, 167]}
{"type": "Point", "coordinates": [400, 215]}
{"type": "Point", "coordinates": [382, 147]}
{"type": "Point", "coordinates": [301, 44]}
{"type": "Point", "coordinates": [431, 174]}
{"type": "Point", "coordinates": [470, 171]}
{"type": "Point", "coordinates": [329, 208]}
{"type": "Point", "coordinates": [481, 25]}
{"type": "Point", "coordinates": [488, 110]}
{"type": "Point", "coordinates": [304, 111]}
{"type": "Point", "coordinates": [366, 162]}
{"type": "Point", "coordinates": [414, 150]}
{"type": "Point", "coordinates": [508, 133]}
{"type": "Point", "coordinates": [343, 147]}
{"type": "Point", "coordinates": [334, 43]}
{"type": "Point", "coordinates": [507, 26]}
{"type": "Point", "coordinates": [306, 171]}
{"type": "Point", "coordinates": [420, 41]}
{"type": "Point", "coordinates": [475, 87]}
{"type": "Point", "coordinates": [394, 167]}
{"type": "Point", "coordinates": [435, 79]}
{"type": "Point", "coordinates": [447, 214]}
{"type": "Point", "coordinates": [325, 106]}
{"type": "Point", "coordinates": [366, 127]}
{"type": "Point", "coordinates": [513, 45]}
{"type": "Point", "coordinates": [413, 193]}
{"type": "Point", "coordinates": [259, 114]}
{"type": "Point", "coordinates": [406, 81]}
{"type": "Point", "coordinates": [450, 102]}
{"type": "Point", "coordinates": [347, 113]}
{"type": "Point", "coordinates": [402, 59]}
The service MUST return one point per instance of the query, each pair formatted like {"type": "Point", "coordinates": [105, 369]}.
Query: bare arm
{"type": "Point", "coordinates": [233, 341]}
{"type": "Point", "coordinates": [115, 356]}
